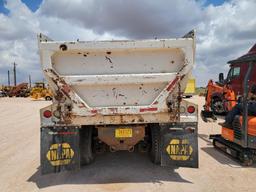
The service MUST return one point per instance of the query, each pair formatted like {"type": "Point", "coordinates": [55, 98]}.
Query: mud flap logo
{"type": "Point", "coordinates": [179, 149]}
{"type": "Point", "coordinates": [60, 154]}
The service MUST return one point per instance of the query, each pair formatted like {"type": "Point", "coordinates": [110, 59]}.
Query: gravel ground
{"type": "Point", "coordinates": [120, 171]}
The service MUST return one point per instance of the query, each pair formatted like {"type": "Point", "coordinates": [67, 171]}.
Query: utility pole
{"type": "Point", "coordinates": [9, 83]}
{"type": "Point", "coordinates": [14, 73]}
{"type": "Point", "coordinates": [29, 79]}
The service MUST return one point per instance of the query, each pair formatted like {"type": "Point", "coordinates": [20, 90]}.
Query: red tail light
{"type": "Point", "coordinates": [191, 109]}
{"type": "Point", "coordinates": [47, 114]}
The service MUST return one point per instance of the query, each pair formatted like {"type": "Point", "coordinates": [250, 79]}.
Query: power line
{"type": "Point", "coordinates": [14, 73]}
{"type": "Point", "coordinates": [9, 83]}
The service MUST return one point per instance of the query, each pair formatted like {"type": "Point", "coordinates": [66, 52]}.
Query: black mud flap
{"type": "Point", "coordinates": [179, 145]}
{"type": "Point", "coordinates": [59, 149]}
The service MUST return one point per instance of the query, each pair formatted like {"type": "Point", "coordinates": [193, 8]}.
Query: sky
{"type": "Point", "coordinates": [225, 29]}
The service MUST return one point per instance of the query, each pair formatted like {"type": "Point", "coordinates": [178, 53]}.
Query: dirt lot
{"type": "Point", "coordinates": [120, 171]}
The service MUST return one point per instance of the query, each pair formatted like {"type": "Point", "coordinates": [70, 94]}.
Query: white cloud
{"type": "Point", "coordinates": [227, 32]}
{"type": "Point", "coordinates": [223, 32]}
{"type": "Point", "coordinates": [18, 41]}
{"type": "Point", "coordinates": [133, 19]}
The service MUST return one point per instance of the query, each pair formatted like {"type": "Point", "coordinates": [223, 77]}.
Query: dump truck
{"type": "Point", "coordinates": [113, 96]}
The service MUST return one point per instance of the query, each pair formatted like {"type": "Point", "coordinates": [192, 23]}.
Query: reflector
{"type": "Point", "coordinates": [191, 109]}
{"type": "Point", "coordinates": [47, 114]}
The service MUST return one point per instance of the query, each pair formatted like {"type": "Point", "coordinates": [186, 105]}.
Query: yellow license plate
{"type": "Point", "coordinates": [123, 133]}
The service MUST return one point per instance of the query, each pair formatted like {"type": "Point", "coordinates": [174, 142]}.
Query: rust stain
{"type": "Point", "coordinates": [81, 106]}
{"type": "Point", "coordinates": [109, 60]}
{"type": "Point", "coordinates": [66, 88]}
{"type": "Point", "coordinates": [144, 92]}
{"type": "Point", "coordinates": [114, 110]}
{"type": "Point", "coordinates": [140, 119]}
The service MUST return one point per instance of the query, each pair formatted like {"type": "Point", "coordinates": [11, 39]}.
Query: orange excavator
{"type": "Point", "coordinates": [239, 140]}
{"type": "Point", "coordinates": [222, 96]}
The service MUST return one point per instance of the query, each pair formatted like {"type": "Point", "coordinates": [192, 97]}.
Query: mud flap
{"type": "Point", "coordinates": [179, 145]}
{"type": "Point", "coordinates": [59, 149]}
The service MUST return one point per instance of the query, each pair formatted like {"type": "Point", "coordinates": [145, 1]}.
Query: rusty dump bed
{"type": "Point", "coordinates": [114, 82]}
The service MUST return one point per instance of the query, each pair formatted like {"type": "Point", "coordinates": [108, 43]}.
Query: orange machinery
{"type": "Point", "coordinates": [221, 96]}
{"type": "Point", "coordinates": [232, 134]}
{"type": "Point", "coordinates": [239, 140]}
{"type": "Point", "coordinates": [219, 99]}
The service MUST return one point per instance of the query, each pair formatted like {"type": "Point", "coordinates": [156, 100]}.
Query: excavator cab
{"type": "Point", "coordinates": [239, 140]}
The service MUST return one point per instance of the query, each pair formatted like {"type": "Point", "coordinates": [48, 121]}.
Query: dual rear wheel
{"type": "Point", "coordinates": [87, 152]}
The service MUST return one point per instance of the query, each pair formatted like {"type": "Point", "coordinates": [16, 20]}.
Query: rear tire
{"type": "Point", "coordinates": [87, 155]}
{"type": "Point", "coordinates": [217, 106]}
{"type": "Point", "coordinates": [155, 149]}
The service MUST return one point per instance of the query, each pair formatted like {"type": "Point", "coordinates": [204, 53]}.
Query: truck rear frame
{"type": "Point", "coordinates": [119, 94]}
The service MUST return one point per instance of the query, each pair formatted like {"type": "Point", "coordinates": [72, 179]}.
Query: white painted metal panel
{"type": "Point", "coordinates": [125, 61]}
{"type": "Point", "coordinates": [119, 94]}
{"type": "Point", "coordinates": [117, 77]}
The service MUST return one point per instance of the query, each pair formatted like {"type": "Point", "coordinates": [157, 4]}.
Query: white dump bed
{"type": "Point", "coordinates": [117, 77]}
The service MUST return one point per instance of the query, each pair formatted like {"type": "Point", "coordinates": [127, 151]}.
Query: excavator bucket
{"type": "Point", "coordinates": [206, 115]}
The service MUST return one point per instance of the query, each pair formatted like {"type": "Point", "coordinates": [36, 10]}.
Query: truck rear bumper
{"type": "Point", "coordinates": [131, 119]}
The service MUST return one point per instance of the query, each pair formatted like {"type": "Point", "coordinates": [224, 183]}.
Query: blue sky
{"type": "Point", "coordinates": [33, 5]}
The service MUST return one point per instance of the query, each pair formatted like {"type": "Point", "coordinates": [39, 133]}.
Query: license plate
{"type": "Point", "coordinates": [123, 133]}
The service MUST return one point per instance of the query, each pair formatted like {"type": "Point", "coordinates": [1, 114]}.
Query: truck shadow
{"type": "Point", "coordinates": [118, 167]}
{"type": "Point", "coordinates": [205, 138]}
{"type": "Point", "coordinates": [221, 157]}
{"type": "Point", "coordinates": [224, 158]}
{"type": "Point", "coordinates": [217, 154]}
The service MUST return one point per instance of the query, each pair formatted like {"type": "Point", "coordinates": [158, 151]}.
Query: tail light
{"type": "Point", "coordinates": [191, 109]}
{"type": "Point", "coordinates": [47, 114]}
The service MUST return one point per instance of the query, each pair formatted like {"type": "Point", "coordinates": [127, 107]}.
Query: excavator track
{"type": "Point", "coordinates": [245, 156]}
